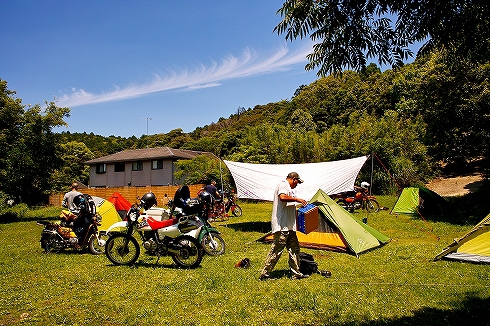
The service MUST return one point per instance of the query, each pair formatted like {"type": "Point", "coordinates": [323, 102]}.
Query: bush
{"type": "Point", "coordinates": [14, 213]}
{"type": "Point", "coordinates": [22, 211]}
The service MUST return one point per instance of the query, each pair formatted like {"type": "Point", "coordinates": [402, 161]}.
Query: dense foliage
{"type": "Point", "coordinates": [29, 151]}
{"type": "Point", "coordinates": [348, 33]}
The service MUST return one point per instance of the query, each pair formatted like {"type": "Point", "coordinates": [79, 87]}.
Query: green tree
{"type": "Point", "coordinates": [29, 153]}
{"type": "Point", "coordinates": [331, 100]}
{"type": "Point", "coordinates": [302, 121]}
{"type": "Point", "coordinates": [265, 143]}
{"type": "Point", "coordinates": [454, 101]}
{"type": "Point", "coordinates": [396, 141]}
{"type": "Point", "coordinates": [73, 155]}
{"type": "Point", "coordinates": [202, 169]}
{"type": "Point", "coordinates": [348, 33]}
{"type": "Point", "coordinates": [11, 121]}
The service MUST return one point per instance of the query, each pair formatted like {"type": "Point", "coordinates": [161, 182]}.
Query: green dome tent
{"type": "Point", "coordinates": [416, 200]}
{"type": "Point", "coordinates": [338, 230]}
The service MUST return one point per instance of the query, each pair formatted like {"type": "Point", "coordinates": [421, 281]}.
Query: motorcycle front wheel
{"type": "Point", "coordinates": [190, 253]}
{"type": "Point", "coordinates": [213, 244]}
{"type": "Point", "coordinates": [236, 210]}
{"type": "Point", "coordinates": [122, 249]}
{"type": "Point", "coordinates": [342, 203]}
{"type": "Point", "coordinates": [94, 246]}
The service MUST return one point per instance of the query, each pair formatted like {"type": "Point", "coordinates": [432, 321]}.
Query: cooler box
{"type": "Point", "coordinates": [307, 218]}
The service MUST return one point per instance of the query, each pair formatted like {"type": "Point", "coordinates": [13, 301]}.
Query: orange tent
{"type": "Point", "coordinates": [121, 204]}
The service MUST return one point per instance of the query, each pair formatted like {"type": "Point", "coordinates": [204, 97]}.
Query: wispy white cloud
{"type": "Point", "coordinates": [231, 67]}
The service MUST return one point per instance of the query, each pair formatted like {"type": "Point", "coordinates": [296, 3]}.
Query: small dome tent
{"type": "Point", "coordinates": [416, 200]}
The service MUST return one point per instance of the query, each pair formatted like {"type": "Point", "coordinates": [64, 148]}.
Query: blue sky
{"type": "Point", "coordinates": [118, 64]}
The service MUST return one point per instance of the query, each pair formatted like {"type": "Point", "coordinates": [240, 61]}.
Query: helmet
{"type": "Point", "coordinates": [148, 200]}
{"type": "Point", "coordinates": [206, 197]}
{"type": "Point", "coordinates": [365, 185]}
{"type": "Point", "coordinates": [79, 201]}
{"type": "Point", "coordinates": [181, 195]}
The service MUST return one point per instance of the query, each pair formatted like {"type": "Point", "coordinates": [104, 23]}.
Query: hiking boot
{"type": "Point", "coordinates": [325, 273]}
{"type": "Point", "coordinates": [299, 276]}
{"type": "Point", "coordinates": [265, 277]}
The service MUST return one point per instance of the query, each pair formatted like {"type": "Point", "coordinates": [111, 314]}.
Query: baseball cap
{"type": "Point", "coordinates": [294, 175]}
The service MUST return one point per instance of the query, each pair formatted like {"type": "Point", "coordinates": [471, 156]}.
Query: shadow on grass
{"type": "Point", "coordinates": [152, 264]}
{"type": "Point", "coordinates": [9, 218]}
{"type": "Point", "coordinates": [468, 209]}
{"type": "Point", "coordinates": [278, 274]}
{"type": "Point", "coordinates": [13, 218]}
{"type": "Point", "coordinates": [471, 310]}
{"type": "Point", "coordinates": [262, 227]}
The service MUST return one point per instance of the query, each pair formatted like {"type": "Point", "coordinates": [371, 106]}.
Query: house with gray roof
{"type": "Point", "coordinates": [138, 167]}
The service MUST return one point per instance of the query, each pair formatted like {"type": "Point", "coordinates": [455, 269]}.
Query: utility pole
{"type": "Point", "coordinates": [147, 119]}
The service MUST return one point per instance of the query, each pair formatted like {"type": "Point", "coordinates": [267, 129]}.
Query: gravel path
{"type": "Point", "coordinates": [457, 186]}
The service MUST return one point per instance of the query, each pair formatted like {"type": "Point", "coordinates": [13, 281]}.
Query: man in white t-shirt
{"type": "Point", "coordinates": [283, 225]}
{"type": "Point", "coordinates": [68, 198]}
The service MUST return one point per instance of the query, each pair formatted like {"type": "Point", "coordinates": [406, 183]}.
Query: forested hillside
{"type": "Point", "coordinates": [413, 118]}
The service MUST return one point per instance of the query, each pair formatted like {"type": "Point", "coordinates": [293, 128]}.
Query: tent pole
{"type": "Point", "coordinates": [221, 175]}
{"type": "Point", "coordinates": [372, 169]}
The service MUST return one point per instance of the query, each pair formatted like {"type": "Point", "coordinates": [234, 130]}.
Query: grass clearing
{"type": "Point", "coordinates": [395, 284]}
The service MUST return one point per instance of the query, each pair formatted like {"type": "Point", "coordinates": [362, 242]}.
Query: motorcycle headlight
{"type": "Point", "coordinates": [133, 215]}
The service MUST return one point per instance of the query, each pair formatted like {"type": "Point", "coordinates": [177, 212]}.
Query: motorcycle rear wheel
{"type": "Point", "coordinates": [122, 249]}
{"type": "Point", "coordinates": [213, 244]}
{"type": "Point", "coordinates": [236, 210]}
{"type": "Point", "coordinates": [372, 206]}
{"type": "Point", "coordinates": [50, 245]}
{"type": "Point", "coordinates": [191, 252]}
{"type": "Point", "coordinates": [93, 244]}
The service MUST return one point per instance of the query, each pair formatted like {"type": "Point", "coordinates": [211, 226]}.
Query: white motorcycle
{"type": "Point", "coordinates": [161, 238]}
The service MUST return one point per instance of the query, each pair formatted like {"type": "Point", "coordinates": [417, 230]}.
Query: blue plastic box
{"type": "Point", "coordinates": [307, 218]}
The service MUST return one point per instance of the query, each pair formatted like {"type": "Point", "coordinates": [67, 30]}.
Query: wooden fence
{"type": "Point", "coordinates": [130, 193]}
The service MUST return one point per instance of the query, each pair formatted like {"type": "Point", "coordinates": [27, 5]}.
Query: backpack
{"type": "Point", "coordinates": [85, 204]}
{"type": "Point", "coordinates": [307, 264]}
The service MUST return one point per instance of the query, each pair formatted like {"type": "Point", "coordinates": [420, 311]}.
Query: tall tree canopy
{"type": "Point", "coordinates": [350, 32]}
{"type": "Point", "coordinates": [29, 151]}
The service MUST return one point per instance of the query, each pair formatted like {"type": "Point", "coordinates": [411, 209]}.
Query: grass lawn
{"type": "Point", "coordinates": [397, 284]}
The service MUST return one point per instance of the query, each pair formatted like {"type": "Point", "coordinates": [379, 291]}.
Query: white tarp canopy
{"type": "Point", "coordinates": [258, 181]}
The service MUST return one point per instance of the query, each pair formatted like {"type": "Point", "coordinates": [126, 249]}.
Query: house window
{"type": "Point", "coordinates": [138, 166]}
{"type": "Point", "coordinates": [157, 164]}
{"type": "Point", "coordinates": [119, 167]}
{"type": "Point", "coordinates": [100, 168]}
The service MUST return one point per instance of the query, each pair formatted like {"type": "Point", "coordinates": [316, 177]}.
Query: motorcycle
{"type": "Point", "coordinates": [161, 238]}
{"type": "Point", "coordinates": [208, 236]}
{"type": "Point", "coordinates": [75, 231]}
{"type": "Point", "coordinates": [222, 206]}
{"type": "Point", "coordinates": [231, 204]}
{"type": "Point", "coordinates": [358, 199]}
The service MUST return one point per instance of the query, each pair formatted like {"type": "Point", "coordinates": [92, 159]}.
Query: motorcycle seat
{"type": "Point", "coordinates": [154, 224]}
